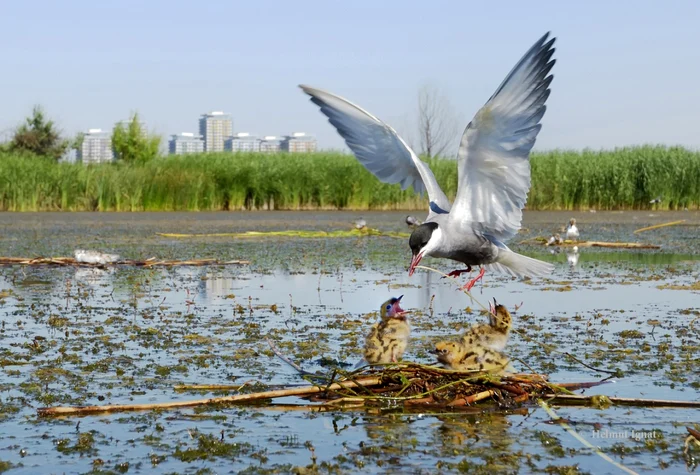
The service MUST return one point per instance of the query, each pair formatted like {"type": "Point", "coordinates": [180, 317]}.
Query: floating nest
{"type": "Point", "coordinates": [152, 262]}
{"type": "Point", "coordinates": [407, 385]}
{"type": "Point", "coordinates": [420, 385]}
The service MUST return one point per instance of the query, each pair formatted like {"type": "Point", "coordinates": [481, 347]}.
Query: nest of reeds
{"type": "Point", "coordinates": [413, 384]}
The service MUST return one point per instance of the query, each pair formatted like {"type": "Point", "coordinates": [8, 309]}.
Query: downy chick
{"type": "Point", "coordinates": [555, 240]}
{"type": "Point", "coordinates": [458, 356]}
{"type": "Point", "coordinates": [493, 335]}
{"type": "Point", "coordinates": [388, 339]}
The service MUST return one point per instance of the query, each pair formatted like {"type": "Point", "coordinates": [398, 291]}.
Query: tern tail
{"type": "Point", "coordinates": [512, 263]}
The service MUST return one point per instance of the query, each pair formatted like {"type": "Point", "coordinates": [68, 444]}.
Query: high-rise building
{"type": "Point", "coordinates": [242, 142]}
{"type": "Point", "coordinates": [185, 142]}
{"type": "Point", "coordinates": [215, 127]}
{"type": "Point", "coordinates": [270, 144]}
{"type": "Point", "coordinates": [97, 147]}
{"type": "Point", "coordinates": [298, 142]}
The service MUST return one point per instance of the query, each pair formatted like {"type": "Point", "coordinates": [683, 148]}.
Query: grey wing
{"type": "Point", "coordinates": [494, 166]}
{"type": "Point", "coordinates": [379, 148]}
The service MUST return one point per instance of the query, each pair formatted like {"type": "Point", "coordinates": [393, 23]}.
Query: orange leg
{"type": "Point", "coordinates": [468, 286]}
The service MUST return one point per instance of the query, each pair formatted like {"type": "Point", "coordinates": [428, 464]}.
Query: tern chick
{"type": "Point", "coordinates": [387, 341]}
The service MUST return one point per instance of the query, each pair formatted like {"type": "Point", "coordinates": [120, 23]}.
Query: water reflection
{"type": "Point", "coordinates": [572, 256]}
{"type": "Point", "coordinates": [94, 276]}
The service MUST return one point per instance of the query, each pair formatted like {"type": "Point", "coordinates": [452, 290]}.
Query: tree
{"type": "Point", "coordinates": [39, 136]}
{"type": "Point", "coordinates": [437, 125]}
{"type": "Point", "coordinates": [133, 144]}
{"type": "Point", "coordinates": [77, 142]}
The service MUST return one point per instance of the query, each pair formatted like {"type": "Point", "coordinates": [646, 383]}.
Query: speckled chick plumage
{"type": "Point", "coordinates": [480, 348]}
{"type": "Point", "coordinates": [388, 339]}
{"type": "Point", "coordinates": [458, 356]}
{"type": "Point", "coordinates": [492, 335]}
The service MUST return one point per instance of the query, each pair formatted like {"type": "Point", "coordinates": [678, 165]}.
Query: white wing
{"type": "Point", "coordinates": [494, 166]}
{"type": "Point", "coordinates": [379, 148]}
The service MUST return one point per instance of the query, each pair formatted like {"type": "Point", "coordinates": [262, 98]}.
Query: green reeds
{"type": "Point", "coordinates": [625, 178]}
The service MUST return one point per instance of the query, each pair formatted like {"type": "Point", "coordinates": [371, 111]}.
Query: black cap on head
{"type": "Point", "coordinates": [420, 236]}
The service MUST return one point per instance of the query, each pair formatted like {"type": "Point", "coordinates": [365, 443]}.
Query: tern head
{"type": "Point", "coordinates": [392, 309]}
{"type": "Point", "coordinates": [572, 222]}
{"type": "Point", "coordinates": [424, 239]}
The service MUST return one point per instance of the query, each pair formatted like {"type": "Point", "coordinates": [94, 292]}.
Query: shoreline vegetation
{"type": "Point", "coordinates": [620, 179]}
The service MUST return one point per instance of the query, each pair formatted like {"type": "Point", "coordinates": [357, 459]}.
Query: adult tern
{"type": "Point", "coordinates": [572, 230]}
{"type": "Point", "coordinates": [493, 169]}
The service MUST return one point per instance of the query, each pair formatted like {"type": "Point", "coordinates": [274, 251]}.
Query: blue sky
{"type": "Point", "coordinates": [627, 72]}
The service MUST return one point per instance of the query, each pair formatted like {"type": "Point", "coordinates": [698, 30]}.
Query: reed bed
{"type": "Point", "coordinates": [626, 178]}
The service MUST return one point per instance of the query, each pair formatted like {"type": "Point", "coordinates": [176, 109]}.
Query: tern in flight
{"type": "Point", "coordinates": [493, 169]}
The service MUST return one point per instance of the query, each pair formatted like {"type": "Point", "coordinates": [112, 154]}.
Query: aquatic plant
{"type": "Point", "coordinates": [626, 178]}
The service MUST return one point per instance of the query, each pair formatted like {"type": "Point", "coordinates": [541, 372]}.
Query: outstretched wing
{"type": "Point", "coordinates": [494, 166]}
{"type": "Point", "coordinates": [379, 148]}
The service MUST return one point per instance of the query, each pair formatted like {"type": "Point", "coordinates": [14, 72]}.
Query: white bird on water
{"type": "Point", "coordinates": [360, 223]}
{"type": "Point", "coordinates": [555, 240]}
{"type": "Point", "coordinates": [94, 257]}
{"type": "Point", "coordinates": [572, 230]}
{"type": "Point", "coordinates": [493, 169]}
{"type": "Point", "coordinates": [412, 221]}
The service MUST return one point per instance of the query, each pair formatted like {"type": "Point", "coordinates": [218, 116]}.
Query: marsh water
{"type": "Point", "coordinates": [86, 336]}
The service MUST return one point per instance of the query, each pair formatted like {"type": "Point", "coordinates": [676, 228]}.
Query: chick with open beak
{"type": "Point", "coordinates": [388, 339]}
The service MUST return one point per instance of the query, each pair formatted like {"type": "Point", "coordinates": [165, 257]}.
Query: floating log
{"type": "Point", "coordinates": [623, 245]}
{"type": "Point", "coordinates": [569, 243]}
{"type": "Point", "coordinates": [300, 391]}
{"type": "Point", "coordinates": [152, 262]}
{"type": "Point", "coordinates": [294, 233]}
{"type": "Point", "coordinates": [657, 226]}
{"type": "Point", "coordinates": [576, 399]}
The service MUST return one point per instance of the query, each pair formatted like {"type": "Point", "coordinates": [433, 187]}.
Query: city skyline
{"type": "Point", "coordinates": [217, 126]}
{"type": "Point", "coordinates": [270, 142]}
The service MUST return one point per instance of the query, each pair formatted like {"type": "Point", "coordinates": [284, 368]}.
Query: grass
{"type": "Point", "coordinates": [625, 178]}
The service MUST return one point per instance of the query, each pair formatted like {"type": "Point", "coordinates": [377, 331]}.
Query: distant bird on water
{"type": "Point", "coordinates": [360, 224]}
{"type": "Point", "coordinates": [412, 221]}
{"type": "Point", "coordinates": [94, 257]}
{"type": "Point", "coordinates": [493, 169]}
{"type": "Point", "coordinates": [555, 240]}
{"type": "Point", "coordinates": [572, 230]}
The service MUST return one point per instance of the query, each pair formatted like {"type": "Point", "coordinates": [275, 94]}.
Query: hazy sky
{"type": "Point", "coordinates": [627, 72]}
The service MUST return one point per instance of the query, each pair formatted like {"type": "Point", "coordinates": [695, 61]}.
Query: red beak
{"type": "Point", "coordinates": [398, 311]}
{"type": "Point", "coordinates": [414, 262]}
